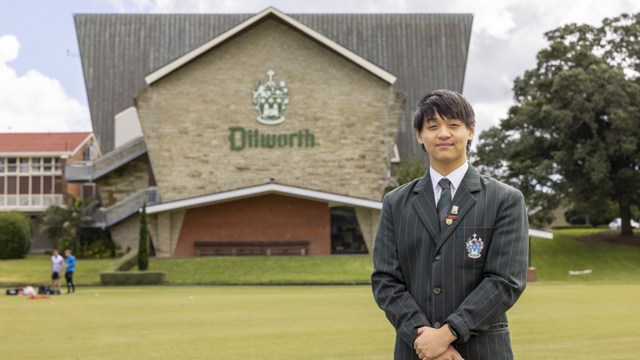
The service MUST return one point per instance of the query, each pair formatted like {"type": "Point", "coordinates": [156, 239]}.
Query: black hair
{"type": "Point", "coordinates": [449, 105]}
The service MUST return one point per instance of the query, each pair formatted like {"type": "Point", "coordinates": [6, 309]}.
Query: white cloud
{"type": "Point", "coordinates": [34, 102]}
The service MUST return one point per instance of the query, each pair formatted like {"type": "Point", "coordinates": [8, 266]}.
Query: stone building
{"type": "Point", "coordinates": [274, 134]}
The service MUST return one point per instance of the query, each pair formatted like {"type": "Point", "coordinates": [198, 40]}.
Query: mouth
{"type": "Point", "coordinates": [444, 145]}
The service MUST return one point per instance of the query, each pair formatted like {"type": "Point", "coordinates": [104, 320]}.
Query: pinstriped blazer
{"type": "Point", "coordinates": [425, 277]}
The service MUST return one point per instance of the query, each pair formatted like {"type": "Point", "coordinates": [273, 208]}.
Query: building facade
{"type": "Point", "coordinates": [269, 132]}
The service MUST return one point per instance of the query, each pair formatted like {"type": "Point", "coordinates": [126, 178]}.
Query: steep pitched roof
{"type": "Point", "coordinates": [425, 52]}
{"type": "Point", "coordinates": [270, 12]}
{"type": "Point", "coordinates": [54, 143]}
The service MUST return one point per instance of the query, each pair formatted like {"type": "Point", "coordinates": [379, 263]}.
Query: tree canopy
{"type": "Point", "coordinates": [574, 130]}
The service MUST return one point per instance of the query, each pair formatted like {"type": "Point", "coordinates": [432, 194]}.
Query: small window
{"type": "Point", "coordinates": [47, 165]}
{"type": "Point", "coordinates": [24, 165]}
{"type": "Point", "coordinates": [11, 201]}
{"type": "Point", "coordinates": [58, 199]}
{"type": "Point", "coordinates": [1, 200]}
{"type": "Point", "coordinates": [36, 201]}
{"type": "Point", "coordinates": [47, 201]}
{"type": "Point", "coordinates": [57, 165]}
{"type": "Point", "coordinates": [2, 160]}
{"type": "Point", "coordinates": [11, 165]}
{"type": "Point", "coordinates": [35, 165]}
{"type": "Point", "coordinates": [24, 201]}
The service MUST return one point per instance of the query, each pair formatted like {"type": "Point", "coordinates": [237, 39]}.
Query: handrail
{"type": "Point", "coordinates": [106, 217]}
{"type": "Point", "coordinates": [79, 171]}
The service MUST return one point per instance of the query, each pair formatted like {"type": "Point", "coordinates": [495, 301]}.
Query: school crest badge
{"type": "Point", "coordinates": [474, 247]}
{"type": "Point", "coordinates": [270, 99]}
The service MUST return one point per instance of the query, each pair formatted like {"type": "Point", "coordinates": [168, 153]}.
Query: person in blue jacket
{"type": "Point", "coordinates": [70, 266]}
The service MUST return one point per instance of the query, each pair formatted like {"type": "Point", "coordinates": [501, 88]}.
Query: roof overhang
{"type": "Point", "coordinates": [175, 64]}
{"type": "Point", "coordinates": [271, 188]}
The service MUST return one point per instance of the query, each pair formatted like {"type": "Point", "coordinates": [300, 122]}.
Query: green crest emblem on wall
{"type": "Point", "coordinates": [271, 100]}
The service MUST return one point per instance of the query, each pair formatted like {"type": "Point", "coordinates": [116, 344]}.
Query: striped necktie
{"type": "Point", "coordinates": [445, 201]}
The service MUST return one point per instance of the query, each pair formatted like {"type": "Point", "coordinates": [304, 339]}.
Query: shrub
{"type": "Point", "coordinates": [143, 249]}
{"type": "Point", "coordinates": [16, 232]}
{"type": "Point", "coordinates": [133, 277]}
{"type": "Point", "coordinates": [572, 227]}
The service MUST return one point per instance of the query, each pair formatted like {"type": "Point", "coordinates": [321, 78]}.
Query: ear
{"type": "Point", "coordinates": [420, 141]}
{"type": "Point", "coordinates": [472, 131]}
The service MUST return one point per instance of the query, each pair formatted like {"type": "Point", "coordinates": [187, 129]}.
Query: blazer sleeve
{"type": "Point", "coordinates": [389, 289]}
{"type": "Point", "coordinates": [505, 271]}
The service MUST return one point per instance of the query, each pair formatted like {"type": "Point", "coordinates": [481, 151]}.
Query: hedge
{"type": "Point", "coordinates": [572, 227]}
{"type": "Point", "coordinates": [119, 274]}
{"type": "Point", "coordinates": [133, 277]}
{"type": "Point", "coordinates": [16, 232]}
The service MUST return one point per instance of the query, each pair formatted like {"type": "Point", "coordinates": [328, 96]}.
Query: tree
{"type": "Point", "coordinates": [143, 249]}
{"type": "Point", "coordinates": [575, 128]}
{"type": "Point", "coordinates": [61, 224]}
{"type": "Point", "coordinates": [16, 233]}
{"type": "Point", "coordinates": [408, 170]}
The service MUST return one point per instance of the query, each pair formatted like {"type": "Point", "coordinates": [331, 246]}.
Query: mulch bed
{"type": "Point", "coordinates": [612, 237]}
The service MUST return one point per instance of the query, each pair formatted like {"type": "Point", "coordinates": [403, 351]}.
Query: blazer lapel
{"type": "Point", "coordinates": [465, 199]}
{"type": "Point", "coordinates": [425, 205]}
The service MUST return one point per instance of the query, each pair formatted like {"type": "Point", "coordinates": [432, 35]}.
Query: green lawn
{"type": "Point", "coordinates": [294, 322]}
{"type": "Point", "coordinates": [611, 263]}
{"type": "Point", "coordinates": [36, 269]}
{"type": "Point", "coordinates": [276, 269]}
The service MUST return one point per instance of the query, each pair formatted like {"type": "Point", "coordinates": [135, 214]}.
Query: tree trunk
{"type": "Point", "coordinates": [625, 219]}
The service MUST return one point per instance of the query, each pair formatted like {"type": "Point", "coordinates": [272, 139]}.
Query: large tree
{"type": "Point", "coordinates": [575, 128]}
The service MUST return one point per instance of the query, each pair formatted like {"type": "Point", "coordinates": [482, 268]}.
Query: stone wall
{"type": "Point", "coordinates": [353, 115]}
{"type": "Point", "coordinates": [127, 232]}
{"type": "Point", "coordinates": [124, 181]}
{"type": "Point", "coordinates": [368, 219]}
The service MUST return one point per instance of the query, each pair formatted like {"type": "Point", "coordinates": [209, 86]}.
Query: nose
{"type": "Point", "coordinates": [444, 133]}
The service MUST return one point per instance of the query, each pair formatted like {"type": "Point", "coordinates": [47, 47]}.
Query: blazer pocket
{"type": "Point", "coordinates": [471, 247]}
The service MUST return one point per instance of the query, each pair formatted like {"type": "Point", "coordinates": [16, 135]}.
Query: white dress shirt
{"type": "Point", "coordinates": [455, 177]}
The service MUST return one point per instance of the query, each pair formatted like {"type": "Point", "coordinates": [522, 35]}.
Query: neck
{"type": "Point", "coordinates": [446, 168]}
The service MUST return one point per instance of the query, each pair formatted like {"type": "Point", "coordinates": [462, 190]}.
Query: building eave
{"type": "Point", "coordinates": [264, 190]}
{"type": "Point", "coordinates": [182, 60]}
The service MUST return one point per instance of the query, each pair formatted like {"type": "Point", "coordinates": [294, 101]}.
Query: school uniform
{"type": "Point", "coordinates": [465, 272]}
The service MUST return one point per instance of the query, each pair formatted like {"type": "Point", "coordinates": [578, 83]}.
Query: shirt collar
{"type": "Point", "coordinates": [455, 177]}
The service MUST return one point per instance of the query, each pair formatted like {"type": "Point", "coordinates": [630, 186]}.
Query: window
{"type": "Point", "coordinates": [35, 165]}
{"type": "Point", "coordinates": [24, 165]}
{"type": "Point", "coordinates": [47, 201]}
{"type": "Point", "coordinates": [2, 165]}
{"type": "Point", "coordinates": [1, 200]}
{"type": "Point", "coordinates": [58, 199]}
{"type": "Point", "coordinates": [11, 201]}
{"type": "Point", "coordinates": [11, 165]}
{"type": "Point", "coordinates": [35, 201]}
{"type": "Point", "coordinates": [57, 165]}
{"type": "Point", "coordinates": [47, 165]}
{"type": "Point", "coordinates": [24, 201]}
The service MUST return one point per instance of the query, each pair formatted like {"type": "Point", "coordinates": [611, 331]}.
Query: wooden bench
{"type": "Point", "coordinates": [251, 248]}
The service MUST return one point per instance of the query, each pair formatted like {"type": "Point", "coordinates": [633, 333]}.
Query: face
{"type": "Point", "coordinates": [446, 141]}
{"type": "Point", "coordinates": [55, 252]}
{"type": "Point", "coordinates": [67, 253]}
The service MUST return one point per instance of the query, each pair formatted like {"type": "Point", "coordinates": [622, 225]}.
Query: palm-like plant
{"type": "Point", "coordinates": [64, 222]}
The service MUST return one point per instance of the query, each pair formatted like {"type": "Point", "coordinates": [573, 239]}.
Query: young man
{"type": "Point", "coordinates": [70, 267]}
{"type": "Point", "coordinates": [450, 254]}
{"type": "Point", "coordinates": [56, 268]}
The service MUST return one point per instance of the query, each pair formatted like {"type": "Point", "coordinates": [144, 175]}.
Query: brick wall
{"type": "Point", "coordinates": [262, 218]}
{"type": "Point", "coordinates": [124, 181]}
{"type": "Point", "coordinates": [353, 114]}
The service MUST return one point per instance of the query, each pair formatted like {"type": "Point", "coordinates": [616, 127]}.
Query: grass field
{"type": "Point", "coordinates": [36, 269]}
{"type": "Point", "coordinates": [294, 322]}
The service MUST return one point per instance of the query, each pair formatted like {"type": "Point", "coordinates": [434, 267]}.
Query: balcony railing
{"type": "Point", "coordinates": [106, 217]}
{"type": "Point", "coordinates": [81, 171]}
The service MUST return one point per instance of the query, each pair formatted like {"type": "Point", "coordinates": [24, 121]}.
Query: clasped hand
{"type": "Point", "coordinates": [434, 344]}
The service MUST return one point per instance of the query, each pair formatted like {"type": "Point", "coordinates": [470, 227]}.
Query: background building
{"type": "Point", "coordinates": [32, 176]}
{"type": "Point", "coordinates": [255, 128]}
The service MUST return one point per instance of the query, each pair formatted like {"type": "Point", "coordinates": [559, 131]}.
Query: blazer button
{"type": "Point", "coordinates": [436, 291]}
{"type": "Point", "coordinates": [438, 257]}
{"type": "Point", "coordinates": [437, 325]}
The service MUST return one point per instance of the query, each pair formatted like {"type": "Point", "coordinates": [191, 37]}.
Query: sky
{"type": "Point", "coordinates": [42, 84]}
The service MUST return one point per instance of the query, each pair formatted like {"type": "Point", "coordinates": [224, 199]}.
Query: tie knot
{"type": "Point", "coordinates": [444, 183]}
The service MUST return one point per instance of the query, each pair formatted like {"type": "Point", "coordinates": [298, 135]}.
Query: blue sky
{"type": "Point", "coordinates": [42, 86]}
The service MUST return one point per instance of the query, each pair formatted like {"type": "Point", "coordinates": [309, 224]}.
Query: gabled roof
{"type": "Point", "coordinates": [175, 64]}
{"type": "Point", "coordinates": [263, 190]}
{"type": "Point", "coordinates": [43, 143]}
{"type": "Point", "coordinates": [425, 51]}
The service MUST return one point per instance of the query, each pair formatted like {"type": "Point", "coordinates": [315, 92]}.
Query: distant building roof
{"type": "Point", "coordinates": [54, 143]}
{"type": "Point", "coordinates": [424, 51]}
